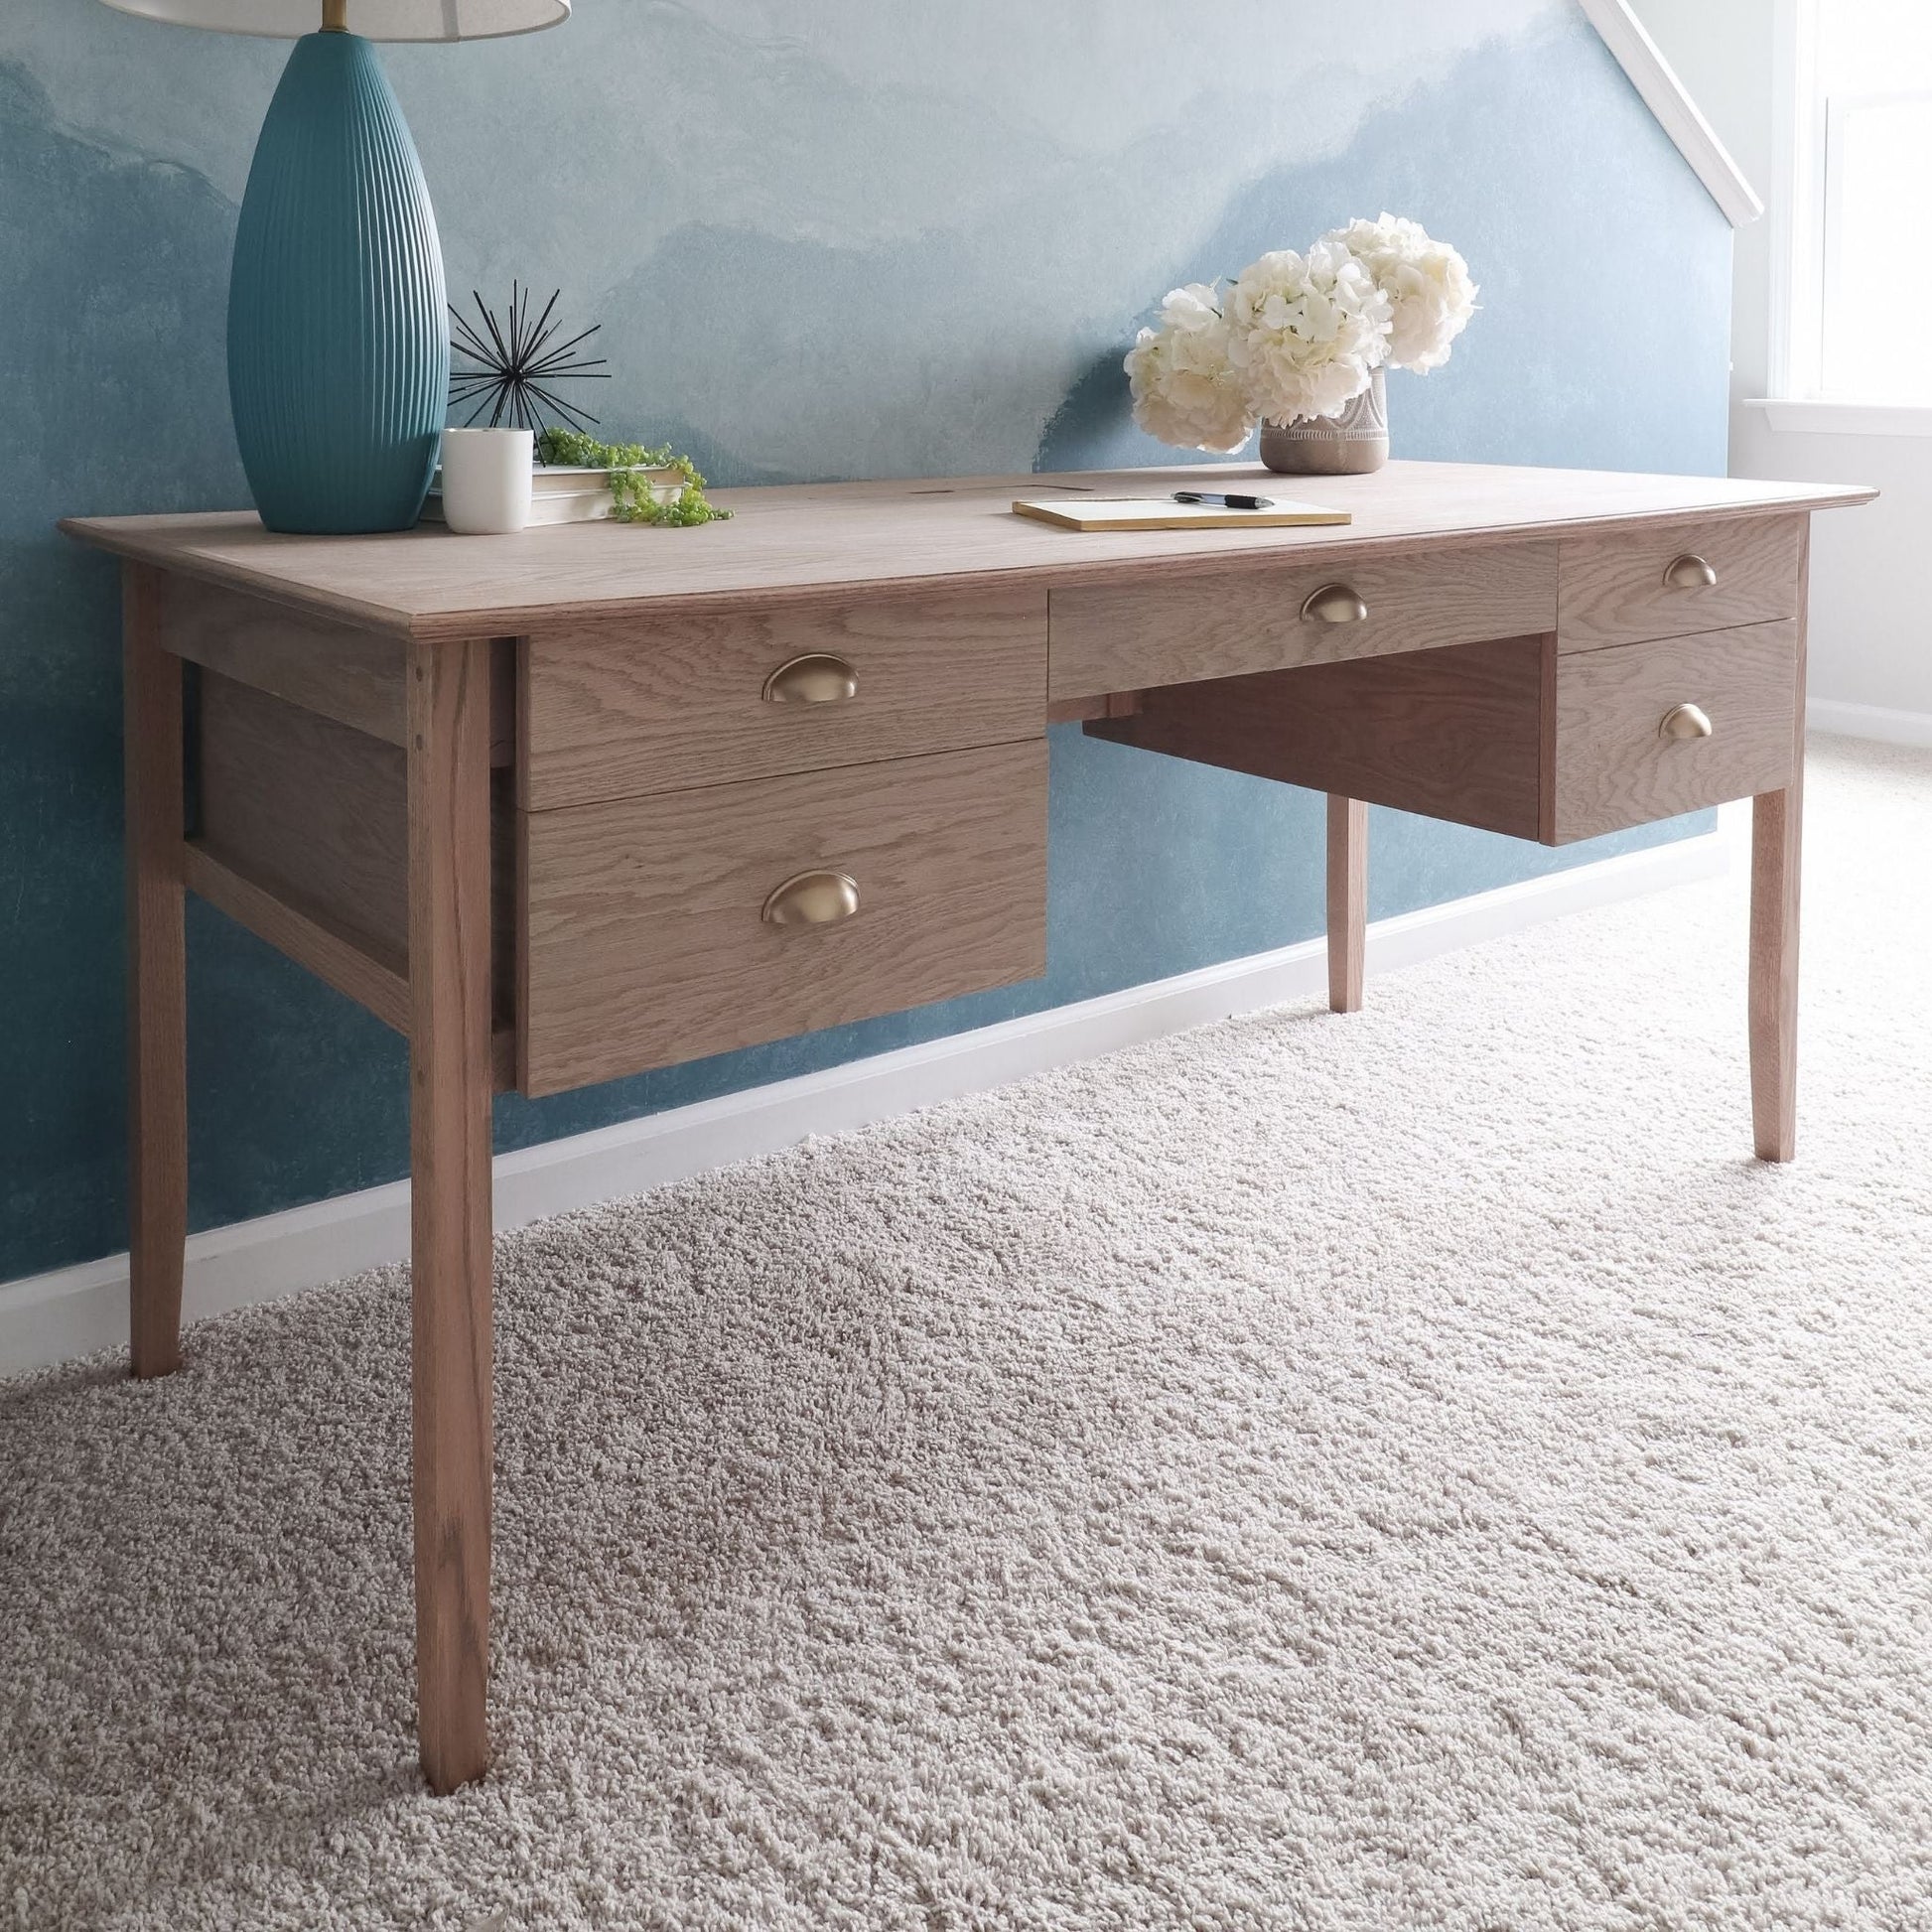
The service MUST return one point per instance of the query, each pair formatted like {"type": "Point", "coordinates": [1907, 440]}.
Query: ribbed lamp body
{"type": "Point", "coordinates": [338, 344]}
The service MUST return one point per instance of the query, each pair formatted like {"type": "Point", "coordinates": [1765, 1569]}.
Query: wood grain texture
{"type": "Point", "coordinates": [801, 541]}
{"type": "Point", "coordinates": [1348, 902]}
{"type": "Point", "coordinates": [352, 676]}
{"type": "Point", "coordinates": [314, 811]}
{"type": "Point", "coordinates": [1100, 704]}
{"type": "Point", "coordinates": [1076, 711]}
{"type": "Point", "coordinates": [450, 1083]}
{"type": "Point", "coordinates": [1116, 638]}
{"type": "Point", "coordinates": [344, 959]}
{"type": "Point", "coordinates": [669, 704]}
{"type": "Point", "coordinates": [644, 944]}
{"type": "Point", "coordinates": [314, 815]}
{"type": "Point", "coordinates": [1545, 754]}
{"type": "Point", "coordinates": [339, 671]}
{"type": "Point", "coordinates": [1453, 732]}
{"type": "Point", "coordinates": [157, 1010]}
{"type": "Point", "coordinates": [1613, 767]}
{"type": "Point", "coordinates": [1778, 832]}
{"type": "Point", "coordinates": [1612, 588]}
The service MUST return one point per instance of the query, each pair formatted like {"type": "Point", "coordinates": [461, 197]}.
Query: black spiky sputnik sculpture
{"type": "Point", "coordinates": [516, 364]}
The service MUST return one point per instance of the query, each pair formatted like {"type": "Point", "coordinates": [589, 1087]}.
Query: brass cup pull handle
{"type": "Point", "coordinates": [1334, 603]}
{"type": "Point", "coordinates": [812, 899]}
{"type": "Point", "coordinates": [815, 678]}
{"type": "Point", "coordinates": [1689, 573]}
{"type": "Point", "coordinates": [1685, 721]}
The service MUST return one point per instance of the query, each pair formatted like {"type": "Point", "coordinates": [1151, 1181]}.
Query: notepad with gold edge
{"type": "Point", "coordinates": [1160, 513]}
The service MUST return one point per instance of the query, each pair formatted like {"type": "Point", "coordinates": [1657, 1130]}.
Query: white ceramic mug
{"type": "Point", "coordinates": [487, 480]}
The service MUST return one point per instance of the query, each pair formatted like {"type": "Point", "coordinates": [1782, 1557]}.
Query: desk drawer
{"type": "Point", "coordinates": [1175, 631]}
{"type": "Point", "coordinates": [617, 711]}
{"type": "Point", "coordinates": [644, 931]}
{"type": "Point", "coordinates": [1629, 586]}
{"type": "Point", "coordinates": [1614, 762]}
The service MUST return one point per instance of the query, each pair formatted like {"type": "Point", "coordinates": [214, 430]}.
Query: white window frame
{"type": "Point", "coordinates": [1799, 237]}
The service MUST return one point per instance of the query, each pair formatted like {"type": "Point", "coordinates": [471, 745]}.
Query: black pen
{"type": "Point", "coordinates": [1226, 502]}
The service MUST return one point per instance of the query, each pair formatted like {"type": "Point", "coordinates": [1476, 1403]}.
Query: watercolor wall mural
{"type": "Point", "coordinates": [852, 239]}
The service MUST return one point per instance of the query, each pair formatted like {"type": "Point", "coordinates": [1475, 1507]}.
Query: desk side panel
{"type": "Point", "coordinates": [312, 815]}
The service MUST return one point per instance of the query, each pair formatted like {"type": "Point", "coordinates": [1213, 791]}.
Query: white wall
{"type": "Point", "coordinates": [1870, 634]}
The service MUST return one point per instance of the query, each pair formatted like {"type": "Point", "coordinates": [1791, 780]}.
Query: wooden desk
{"type": "Point", "coordinates": [568, 804]}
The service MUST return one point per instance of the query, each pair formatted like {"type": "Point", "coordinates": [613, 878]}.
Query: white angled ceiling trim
{"type": "Point", "coordinates": [1677, 113]}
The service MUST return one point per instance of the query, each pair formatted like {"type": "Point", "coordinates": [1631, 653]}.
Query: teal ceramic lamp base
{"type": "Point", "coordinates": [338, 344]}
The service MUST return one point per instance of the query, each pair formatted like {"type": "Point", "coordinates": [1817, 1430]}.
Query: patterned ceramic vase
{"type": "Point", "coordinates": [1350, 443]}
{"type": "Point", "coordinates": [338, 346]}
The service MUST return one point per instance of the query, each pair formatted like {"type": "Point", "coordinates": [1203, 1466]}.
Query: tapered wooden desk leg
{"type": "Point", "coordinates": [157, 981]}
{"type": "Point", "coordinates": [449, 1138]}
{"type": "Point", "coordinates": [1347, 900]}
{"type": "Point", "coordinates": [1776, 824]}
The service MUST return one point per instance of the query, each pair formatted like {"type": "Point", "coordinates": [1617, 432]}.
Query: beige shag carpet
{"type": "Point", "coordinates": [1406, 1471]}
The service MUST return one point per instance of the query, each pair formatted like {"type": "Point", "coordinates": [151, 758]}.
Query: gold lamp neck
{"type": "Point", "coordinates": [334, 16]}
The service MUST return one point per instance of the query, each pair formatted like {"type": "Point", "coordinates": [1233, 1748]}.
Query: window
{"type": "Point", "coordinates": [1859, 115]}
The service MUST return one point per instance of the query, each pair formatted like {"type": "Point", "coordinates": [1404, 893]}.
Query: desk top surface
{"type": "Point", "coordinates": [810, 539]}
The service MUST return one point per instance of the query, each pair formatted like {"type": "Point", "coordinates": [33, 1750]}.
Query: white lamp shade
{"type": "Point", "coordinates": [375, 20]}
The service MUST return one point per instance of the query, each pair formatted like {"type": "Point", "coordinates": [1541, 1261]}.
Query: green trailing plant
{"type": "Point", "coordinates": [630, 490]}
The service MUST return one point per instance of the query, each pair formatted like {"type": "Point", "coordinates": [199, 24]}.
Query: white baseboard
{"type": "Point", "coordinates": [1875, 721]}
{"type": "Point", "coordinates": [72, 1312]}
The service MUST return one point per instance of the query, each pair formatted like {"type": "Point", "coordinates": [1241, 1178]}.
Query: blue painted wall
{"type": "Point", "coordinates": [858, 238]}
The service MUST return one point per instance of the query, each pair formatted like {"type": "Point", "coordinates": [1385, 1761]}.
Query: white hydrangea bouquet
{"type": "Point", "coordinates": [1296, 337]}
